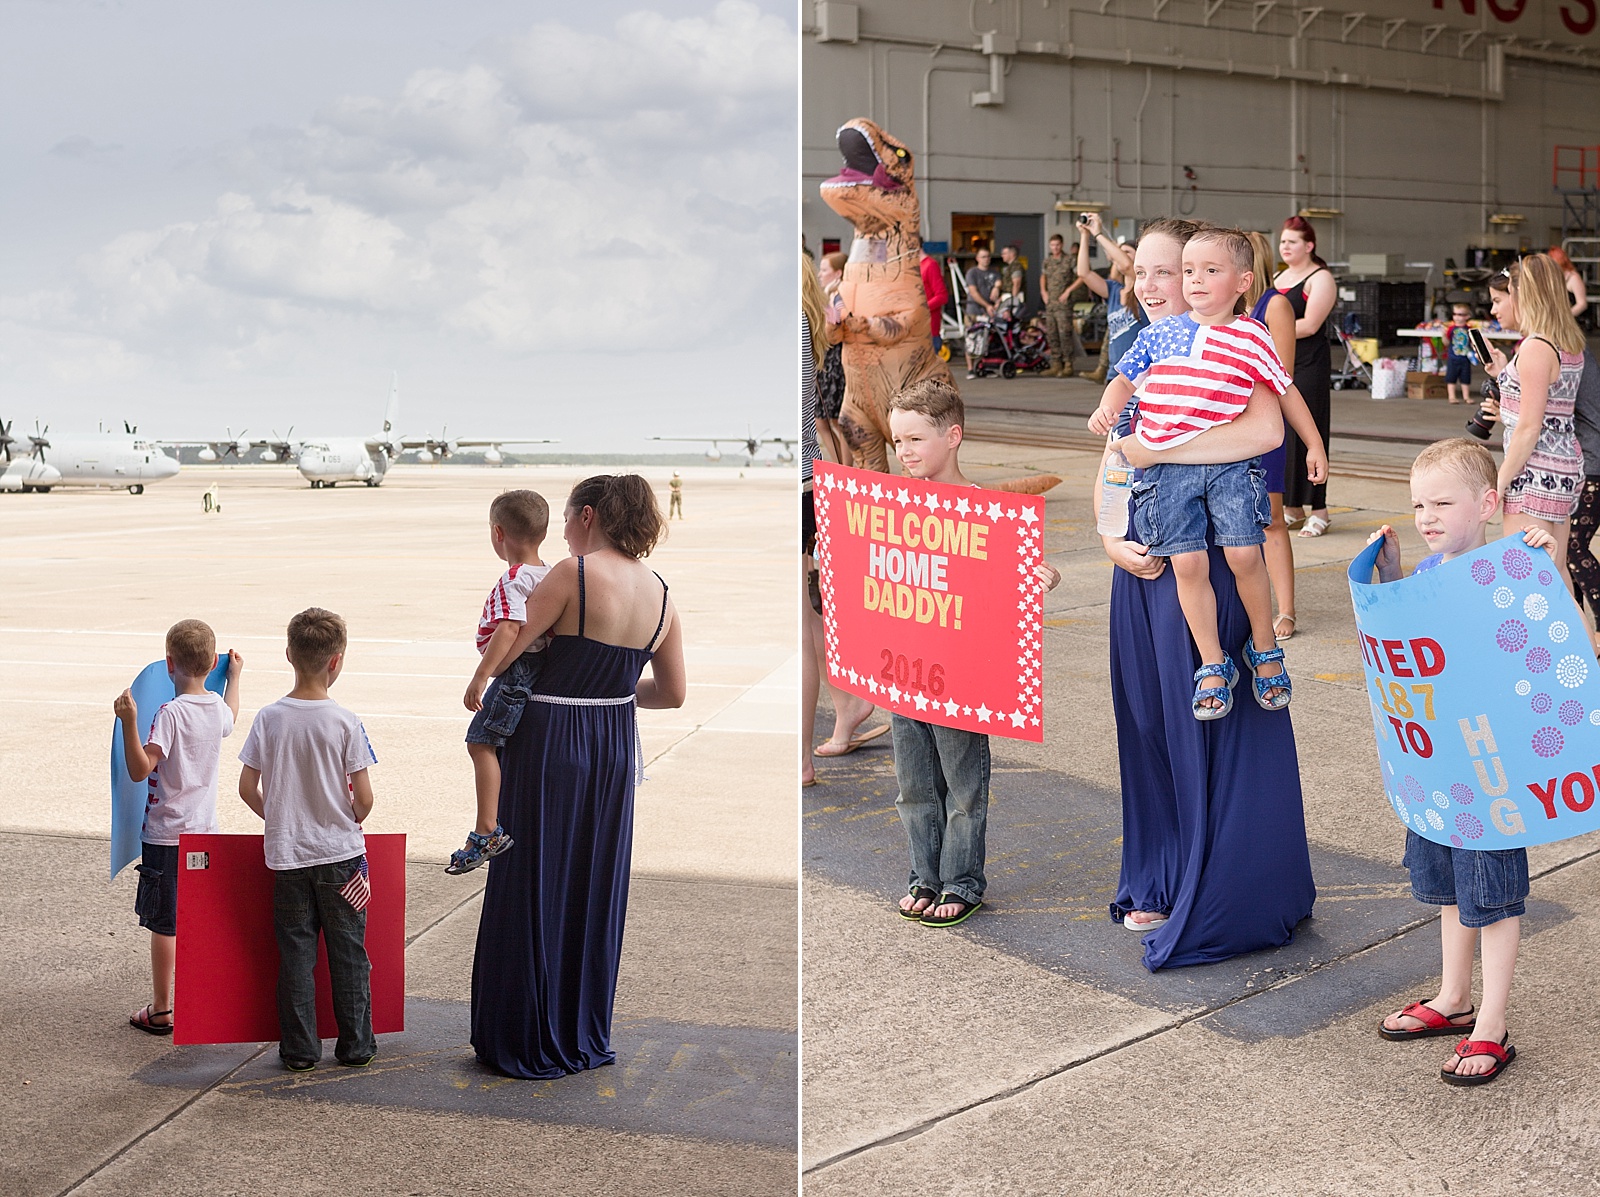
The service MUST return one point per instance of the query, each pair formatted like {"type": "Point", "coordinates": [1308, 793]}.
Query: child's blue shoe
{"type": "Point", "coordinates": [1229, 675]}
{"type": "Point", "coordinates": [478, 850]}
{"type": "Point", "coordinates": [1280, 682]}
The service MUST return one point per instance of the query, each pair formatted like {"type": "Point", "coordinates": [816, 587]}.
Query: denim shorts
{"type": "Point", "coordinates": [156, 902]}
{"type": "Point", "coordinates": [504, 700]}
{"type": "Point", "coordinates": [1458, 369]}
{"type": "Point", "coordinates": [1172, 505]}
{"type": "Point", "coordinates": [1485, 886]}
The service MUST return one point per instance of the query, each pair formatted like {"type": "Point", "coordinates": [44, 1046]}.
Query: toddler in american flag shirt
{"type": "Point", "coordinates": [1190, 373]}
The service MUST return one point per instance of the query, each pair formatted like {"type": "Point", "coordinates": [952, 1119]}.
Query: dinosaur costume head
{"type": "Point", "coordinates": [876, 190]}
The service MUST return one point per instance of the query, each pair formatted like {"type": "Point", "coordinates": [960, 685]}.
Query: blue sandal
{"type": "Point", "coordinates": [1263, 684]}
{"type": "Point", "coordinates": [1229, 675]}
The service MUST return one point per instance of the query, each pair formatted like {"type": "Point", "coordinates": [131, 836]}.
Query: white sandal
{"type": "Point", "coordinates": [1315, 525]}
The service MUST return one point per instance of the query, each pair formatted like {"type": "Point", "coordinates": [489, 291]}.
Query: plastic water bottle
{"type": "Point", "coordinates": [1116, 490]}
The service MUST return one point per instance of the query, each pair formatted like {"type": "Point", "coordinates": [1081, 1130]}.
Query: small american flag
{"type": "Point", "coordinates": [358, 890]}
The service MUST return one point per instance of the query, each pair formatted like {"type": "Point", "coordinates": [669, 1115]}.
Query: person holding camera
{"type": "Point", "coordinates": [1124, 316]}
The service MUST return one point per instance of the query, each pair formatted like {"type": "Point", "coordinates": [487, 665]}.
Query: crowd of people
{"type": "Point", "coordinates": [1215, 860]}
{"type": "Point", "coordinates": [555, 753]}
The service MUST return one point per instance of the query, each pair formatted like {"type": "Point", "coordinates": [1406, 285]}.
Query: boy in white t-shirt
{"type": "Point", "coordinates": [498, 692]}
{"type": "Point", "coordinates": [305, 772]}
{"type": "Point", "coordinates": [180, 759]}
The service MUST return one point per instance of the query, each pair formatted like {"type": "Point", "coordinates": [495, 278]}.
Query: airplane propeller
{"type": "Point", "coordinates": [6, 439]}
{"type": "Point", "coordinates": [40, 440]}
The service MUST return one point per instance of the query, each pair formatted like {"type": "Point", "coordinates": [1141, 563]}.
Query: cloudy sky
{"type": "Point", "coordinates": [249, 214]}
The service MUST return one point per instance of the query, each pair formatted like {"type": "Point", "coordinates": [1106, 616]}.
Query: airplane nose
{"type": "Point", "coordinates": [166, 466]}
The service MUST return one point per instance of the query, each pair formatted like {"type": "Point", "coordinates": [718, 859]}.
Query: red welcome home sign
{"type": "Point", "coordinates": [929, 601]}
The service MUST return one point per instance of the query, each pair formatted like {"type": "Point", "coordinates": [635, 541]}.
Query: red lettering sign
{"type": "Point", "coordinates": [929, 602]}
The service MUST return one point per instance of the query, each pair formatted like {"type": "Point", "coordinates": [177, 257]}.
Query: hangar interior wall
{"type": "Point", "coordinates": [1128, 103]}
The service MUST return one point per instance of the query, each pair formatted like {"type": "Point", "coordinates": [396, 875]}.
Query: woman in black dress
{"type": "Point", "coordinates": [1309, 287]}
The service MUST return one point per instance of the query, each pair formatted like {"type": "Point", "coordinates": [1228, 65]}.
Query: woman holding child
{"type": "Point", "coordinates": [1214, 859]}
{"type": "Point", "coordinates": [545, 972]}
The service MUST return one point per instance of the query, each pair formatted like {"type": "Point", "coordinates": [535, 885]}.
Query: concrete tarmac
{"type": "Point", "coordinates": [1028, 1051]}
{"type": "Point", "coordinates": [702, 1098]}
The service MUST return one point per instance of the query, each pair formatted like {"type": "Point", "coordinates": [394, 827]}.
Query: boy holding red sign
{"type": "Point", "coordinates": [943, 772]}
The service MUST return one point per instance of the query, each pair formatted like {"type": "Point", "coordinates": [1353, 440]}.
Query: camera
{"type": "Point", "coordinates": [1083, 219]}
{"type": "Point", "coordinates": [1482, 423]}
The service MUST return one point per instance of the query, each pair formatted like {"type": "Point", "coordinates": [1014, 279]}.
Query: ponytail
{"type": "Point", "coordinates": [625, 509]}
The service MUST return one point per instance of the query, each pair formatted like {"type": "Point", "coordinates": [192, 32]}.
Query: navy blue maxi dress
{"type": "Point", "coordinates": [545, 971]}
{"type": "Point", "coordinates": [1213, 824]}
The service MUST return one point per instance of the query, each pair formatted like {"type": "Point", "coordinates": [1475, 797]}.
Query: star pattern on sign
{"type": "Point", "coordinates": [1028, 517]}
{"type": "Point", "coordinates": [961, 506]}
{"type": "Point", "coordinates": [903, 497]}
{"type": "Point", "coordinates": [855, 678]}
{"type": "Point", "coordinates": [983, 712]}
{"type": "Point", "coordinates": [872, 685]}
{"type": "Point", "coordinates": [852, 488]}
{"type": "Point", "coordinates": [950, 708]}
{"type": "Point", "coordinates": [877, 491]}
{"type": "Point", "coordinates": [931, 502]}
{"type": "Point", "coordinates": [921, 701]}
{"type": "Point", "coordinates": [1010, 514]}
{"type": "Point", "coordinates": [994, 511]}
{"type": "Point", "coordinates": [1016, 718]}
{"type": "Point", "coordinates": [893, 693]}
{"type": "Point", "coordinates": [966, 710]}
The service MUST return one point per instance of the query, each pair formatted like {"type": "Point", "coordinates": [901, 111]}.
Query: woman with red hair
{"type": "Point", "coordinates": [1309, 287]}
{"type": "Point", "coordinates": [1574, 281]}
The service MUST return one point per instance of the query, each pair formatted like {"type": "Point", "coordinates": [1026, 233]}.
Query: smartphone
{"type": "Point", "coordinates": [1480, 346]}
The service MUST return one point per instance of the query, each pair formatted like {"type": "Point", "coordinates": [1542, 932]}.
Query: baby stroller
{"type": "Point", "coordinates": [1355, 373]}
{"type": "Point", "coordinates": [1004, 345]}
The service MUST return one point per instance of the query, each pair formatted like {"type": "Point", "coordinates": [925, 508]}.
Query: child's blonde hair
{"type": "Point", "coordinates": [1264, 258]}
{"type": "Point", "coordinates": [934, 398]}
{"type": "Point", "coordinates": [1467, 460]}
{"type": "Point", "coordinates": [522, 513]}
{"type": "Point", "coordinates": [315, 636]}
{"type": "Point", "coordinates": [192, 645]}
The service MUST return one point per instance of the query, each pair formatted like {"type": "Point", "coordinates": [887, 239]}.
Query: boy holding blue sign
{"type": "Point", "coordinates": [1454, 494]}
{"type": "Point", "coordinates": [180, 757]}
{"type": "Point", "coordinates": [943, 772]}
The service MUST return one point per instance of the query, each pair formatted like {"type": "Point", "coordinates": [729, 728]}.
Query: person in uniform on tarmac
{"type": "Point", "coordinates": [675, 503]}
{"type": "Point", "coordinates": [1057, 280]}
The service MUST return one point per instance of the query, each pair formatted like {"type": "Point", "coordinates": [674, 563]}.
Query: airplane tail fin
{"type": "Point", "coordinates": [391, 414]}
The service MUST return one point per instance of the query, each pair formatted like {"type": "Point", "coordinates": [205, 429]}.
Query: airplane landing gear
{"type": "Point", "coordinates": [136, 489]}
{"type": "Point", "coordinates": [372, 481]}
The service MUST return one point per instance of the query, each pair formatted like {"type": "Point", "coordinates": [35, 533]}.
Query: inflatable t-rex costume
{"type": "Point", "coordinates": [887, 345]}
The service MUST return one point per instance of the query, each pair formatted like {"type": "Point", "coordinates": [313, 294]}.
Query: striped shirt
{"type": "Point", "coordinates": [1190, 377]}
{"type": "Point", "coordinates": [509, 600]}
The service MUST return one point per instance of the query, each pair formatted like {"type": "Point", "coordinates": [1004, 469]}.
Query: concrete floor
{"type": "Point", "coordinates": [702, 1098]}
{"type": "Point", "coordinates": [1028, 1051]}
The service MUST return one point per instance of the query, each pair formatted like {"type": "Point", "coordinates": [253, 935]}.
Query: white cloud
{"type": "Point", "coordinates": [562, 185]}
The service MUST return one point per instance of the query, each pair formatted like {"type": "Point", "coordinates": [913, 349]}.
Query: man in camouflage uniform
{"type": "Point", "coordinates": [1058, 277]}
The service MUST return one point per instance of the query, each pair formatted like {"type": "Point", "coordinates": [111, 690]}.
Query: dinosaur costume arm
{"type": "Point", "coordinates": [884, 328]}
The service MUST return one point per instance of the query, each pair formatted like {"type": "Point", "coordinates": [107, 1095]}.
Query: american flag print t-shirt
{"type": "Point", "coordinates": [1190, 377]}
{"type": "Point", "coordinates": [509, 600]}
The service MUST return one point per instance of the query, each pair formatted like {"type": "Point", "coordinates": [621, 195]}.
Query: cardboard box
{"type": "Point", "coordinates": [1422, 385]}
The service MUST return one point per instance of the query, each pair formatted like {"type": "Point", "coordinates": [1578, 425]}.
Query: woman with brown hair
{"type": "Point", "coordinates": [544, 974]}
{"type": "Point", "coordinates": [1577, 291]}
{"type": "Point", "coordinates": [1310, 289]}
{"type": "Point", "coordinates": [1541, 478]}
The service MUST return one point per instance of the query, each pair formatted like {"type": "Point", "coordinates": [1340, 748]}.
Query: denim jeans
{"type": "Point", "coordinates": [944, 804]}
{"type": "Point", "coordinates": [305, 901]}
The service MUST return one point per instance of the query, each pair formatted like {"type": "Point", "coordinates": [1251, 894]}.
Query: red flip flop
{"type": "Point", "coordinates": [1502, 1052]}
{"type": "Point", "coordinates": [1434, 1023]}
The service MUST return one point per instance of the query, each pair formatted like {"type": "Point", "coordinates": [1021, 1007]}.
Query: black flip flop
{"type": "Point", "coordinates": [142, 1021]}
{"type": "Point", "coordinates": [949, 900]}
{"type": "Point", "coordinates": [917, 895]}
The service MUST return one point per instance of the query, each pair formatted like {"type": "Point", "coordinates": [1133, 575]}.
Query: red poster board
{"type": "Point", "coordinates": [929, 602]}
{"type": "Point", "coordinates": [227, 975]}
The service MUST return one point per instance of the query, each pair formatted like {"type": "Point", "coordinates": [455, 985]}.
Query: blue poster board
{"type": "Point", "coordinates": [151, 690]}
{"type": "Point", "coordinates": [1485, 698]}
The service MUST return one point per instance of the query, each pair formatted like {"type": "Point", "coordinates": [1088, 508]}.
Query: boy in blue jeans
{"type": "Point", "coordinates": [1453, 490]}
{"type": "Point", "coordinates": [943, 772]}
{"type": "Point", "coordinates": [305, 773]}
